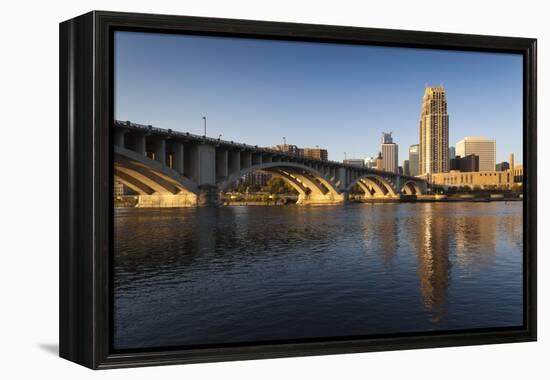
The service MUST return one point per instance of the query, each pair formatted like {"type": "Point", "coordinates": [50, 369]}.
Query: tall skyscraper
{"type": "Point", "coordinates": [414, 160]}
{"type": "Point", "coordinates": [390, 154]}
{"type": "Point", "coordinates": [386, 138]}
{"type": "Point", "coordinates": [482, 147]}
{"type": "Point", "coordinates": [434, 132]}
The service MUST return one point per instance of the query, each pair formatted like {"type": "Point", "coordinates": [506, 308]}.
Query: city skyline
{"type": "Point", "coordinates": [338, 97]}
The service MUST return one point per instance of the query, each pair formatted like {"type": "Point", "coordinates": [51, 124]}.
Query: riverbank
{"type": "Point", "coordinates": [444, 198]}
{"type": "Point", "coordinates": [131, 203]}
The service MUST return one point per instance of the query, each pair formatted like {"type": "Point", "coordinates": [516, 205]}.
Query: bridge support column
{"type": "Point", "coordinates": [160, 151]}
{"type": "Point", "coordinates": [222, 164]}
{"type": "Point", "coordinates": [178, 152]}
{"type": "Point", "coordinates": [341, 178]}
{"type": "Point", "coordinates": [119, 137]}
{"type": "Point", "coordinates": [246, 160]}
{"type": "Point", "coordinates": [234, 161]}
{"type": "Point", "coordinates": [141, 144]}
{"type": "Point", "coordinates": [320, 199]}
{"type": "Point", "coordinates": [208, 196]}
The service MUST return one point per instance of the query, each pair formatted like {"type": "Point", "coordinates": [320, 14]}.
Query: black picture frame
{"type": "Point", "coordinates": [86, 112]}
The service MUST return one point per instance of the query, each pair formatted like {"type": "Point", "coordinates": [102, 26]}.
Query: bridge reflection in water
{"type": "Point", "coordinates": [174, 169]}
{"type": "Point", "coordinates": [238, 274]}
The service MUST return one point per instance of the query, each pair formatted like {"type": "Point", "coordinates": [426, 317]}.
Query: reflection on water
{"type": "Point", "coordinates": [244, 274]}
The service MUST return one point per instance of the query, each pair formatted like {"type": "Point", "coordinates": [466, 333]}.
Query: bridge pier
{"type": "Point", "coordinates": [158, 200]}
{"type": "Point", "coordinates": [320, 199]}
{"type": "Point", "coordinates": [208, 196]}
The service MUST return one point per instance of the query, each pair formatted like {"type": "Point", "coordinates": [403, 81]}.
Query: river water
{"type": "Point", "coordinates": [248, 274]}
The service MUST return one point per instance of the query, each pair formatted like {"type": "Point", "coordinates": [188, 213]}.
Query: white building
{"type": "Point", "coordinates": [355, 162]}
{"type": "Point", "coordinates": [482, 147]}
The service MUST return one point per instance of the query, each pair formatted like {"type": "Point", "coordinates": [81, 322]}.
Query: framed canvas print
{"type": "Point", "coordinates": [238, 189]}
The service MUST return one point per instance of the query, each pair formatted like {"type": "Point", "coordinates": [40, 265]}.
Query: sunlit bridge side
{"type": "Point", "coordinates": [174, 169]}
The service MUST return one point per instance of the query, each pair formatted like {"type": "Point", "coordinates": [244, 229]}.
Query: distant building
{"type": "Point", "coordinates": [474, 179]}
{"type": "Point", "coordinates": [502, 166]}
{"type": "Point", "coordinates": [389, 151]}
{"type": "Point", "coordinates": [386, 138]}
{"type": "Point", "coordinates": [434, 132]}
{"type": "Point", "coordinates": [379, 162]}
{"type": "Point", "coordinates": [288, 148]}
{"type": "Point", "coordinates": [452, 152]}
{"type": "Point", "coordinates": [414, 160]}
{"type": "Point", "coordinates": [470, 163]}
{"type": "Point", "coordinates": [257, 177]}
{"type": "Point", "coordinates": [400, 170]}
{"type": "Point", "coordinates": [118, 189]}
{"type": "Point", "coordinates": [355, 162]}
{"type": "Point", "coordinates": [315, 153]}
{"type": "Point", "coordinates": [370, 162]}
{"type": "Point", "coordinates": [518, 174]}
{"type": "Point", "coordinates": [406, 168]}
{"type": "Point", "coordinates": [480, 146]}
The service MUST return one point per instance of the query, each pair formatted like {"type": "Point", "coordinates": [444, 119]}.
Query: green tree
{"type": "Point", "coordinates": [277, 185]}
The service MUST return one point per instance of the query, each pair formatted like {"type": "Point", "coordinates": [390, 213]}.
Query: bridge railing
{"type": "Point", "coordinates": [187, 135]}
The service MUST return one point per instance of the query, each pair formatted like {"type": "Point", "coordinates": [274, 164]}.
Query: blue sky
{"type": "Point", "coordinates": [340, 97]}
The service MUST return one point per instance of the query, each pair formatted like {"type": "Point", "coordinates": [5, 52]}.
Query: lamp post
{"type": "Point", "coordinates": [204, 118]}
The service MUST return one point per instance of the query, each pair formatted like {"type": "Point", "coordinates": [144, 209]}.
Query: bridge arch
{"type": "Point", "coordinates": [411, 188]}
{"type": "Point", "coordinates": [312, 186]}
{"type": "Point", "coordinates": [374, 186]}
{"type": "Point", "coordinates": [157, 184]}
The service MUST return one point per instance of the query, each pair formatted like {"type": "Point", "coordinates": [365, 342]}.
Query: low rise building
{"type": "Point", "coordinates": [355, 162]}
{"type": "Point", "coordinates": [502, 166]}
{"type": "Point", "coordinates": [258, 177]}
{"type": "Point", "coordinates": [469, 163]}
{"type": "Point", "coordinates": [370, 162]}
{"type": "Point", "coordinates": [518, 174]}
{"type": "Point", "coordinates": [315, 153]}
{"type": "Point", "coordinates": [288, 148]}
{"type": "Point", "coordinates": [485, 179]}
{"type": "Point", "coordinates": [118, 189]}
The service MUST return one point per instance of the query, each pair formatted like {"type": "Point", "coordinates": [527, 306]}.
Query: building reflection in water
{"type": "Point", "coordinates": [379, 229]}
{"type": "Point", "coordinates": [476, 239]}
{"type": "Point", "coordinates": [434, 267]}
{"type": "Point", "coordinates": [442, 235]}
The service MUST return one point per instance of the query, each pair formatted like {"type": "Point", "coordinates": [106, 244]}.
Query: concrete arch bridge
{"type": "Point", "coordinates": [175, 169]}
